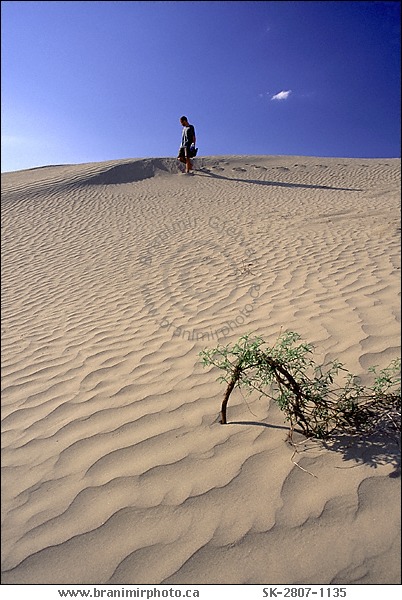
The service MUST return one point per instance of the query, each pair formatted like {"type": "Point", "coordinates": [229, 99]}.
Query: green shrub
{"type": "Point", "coordinates": [310, 395]}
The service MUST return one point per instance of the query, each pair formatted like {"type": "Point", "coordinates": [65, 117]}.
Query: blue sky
{"type": "Point", "coordinates": [94, 81]}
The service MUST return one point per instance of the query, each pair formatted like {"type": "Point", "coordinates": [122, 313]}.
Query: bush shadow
{"type": "Point", "coordinates": [375, 449]}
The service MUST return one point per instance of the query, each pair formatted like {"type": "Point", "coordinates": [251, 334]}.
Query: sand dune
{"type": "Point", "coordinates": [115, 276]}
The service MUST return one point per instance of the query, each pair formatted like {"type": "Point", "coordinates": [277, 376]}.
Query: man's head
{"type": "Point", "coordinates": [183, 120]}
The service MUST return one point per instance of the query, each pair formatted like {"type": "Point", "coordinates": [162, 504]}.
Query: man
{"type": "Point", "coordinates": [187, 140]}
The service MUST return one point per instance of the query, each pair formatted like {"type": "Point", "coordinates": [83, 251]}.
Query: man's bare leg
{"type": "Point", "coordinates": [182, 160]}
{"type": "Point", "coordinates": [189, 166]}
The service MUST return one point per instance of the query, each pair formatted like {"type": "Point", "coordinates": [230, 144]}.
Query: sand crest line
{"type": "Point", "coordinates": [220, 229]}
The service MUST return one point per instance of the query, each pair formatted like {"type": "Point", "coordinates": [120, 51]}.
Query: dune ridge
{"type": "Point", "coordinates": [116, 275]}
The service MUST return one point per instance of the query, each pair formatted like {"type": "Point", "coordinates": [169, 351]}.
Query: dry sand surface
{"type": "Point", "coordinates": [115, 276]}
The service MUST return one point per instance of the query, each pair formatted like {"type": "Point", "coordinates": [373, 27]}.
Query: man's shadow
{"type": "Point", "coordinates": [208, 173]}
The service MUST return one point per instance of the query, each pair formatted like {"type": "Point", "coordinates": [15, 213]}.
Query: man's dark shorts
{"type": "Point", "coordinates": [184, 152]}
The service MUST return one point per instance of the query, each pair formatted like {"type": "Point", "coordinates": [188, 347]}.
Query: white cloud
{"type": "Point", "coordinates": [282, 95]}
